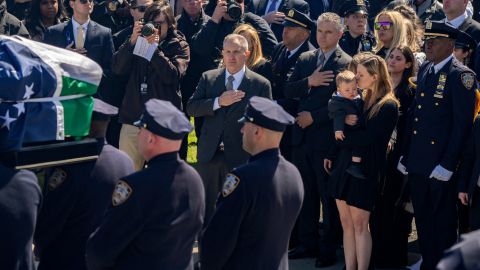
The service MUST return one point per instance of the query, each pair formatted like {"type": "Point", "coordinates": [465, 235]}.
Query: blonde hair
{"type": "Point", "coordinates": [256, 54]}
{"type": "Point", "coordinates": [383, 89]}
{"type": "Point", "coordinates": [412, 39]}
{"type": "Point", "coordinates": [345, 76]}
{"type": "Point", "coordinates": [398, 29]}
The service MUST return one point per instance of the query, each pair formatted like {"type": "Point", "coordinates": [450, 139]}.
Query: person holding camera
{"type": "Point", "coordinates": [158, 78]}
{"type": "Point", "coordinates": [226, 16]}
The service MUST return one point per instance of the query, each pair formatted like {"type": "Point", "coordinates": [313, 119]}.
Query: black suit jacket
{"type": "Point", "coordinates": [470, 165]}
{"type": "Point", "coordinates": [98, 41]}
{"type": "Point", "coordinates": [260, 6]}
{"type": "Point", "coordinates": [225, 119]}
{"type": "Point", "coordinates": [319, 135]}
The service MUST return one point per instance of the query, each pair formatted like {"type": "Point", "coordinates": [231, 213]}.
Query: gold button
{"type": "Point", "coordinates": [414, 132]}
{"type": "Point", "coordinates": [432, 142]}
{"type": "Point", "coordinates": [416, 119]}
{"type": "Point", "coordinates": [422, 94]}
{"type": "Point", "coordinates": [419, 106]}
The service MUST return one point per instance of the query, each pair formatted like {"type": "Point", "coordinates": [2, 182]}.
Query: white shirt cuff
{"type": "Point", "coordinates": [216, 105]}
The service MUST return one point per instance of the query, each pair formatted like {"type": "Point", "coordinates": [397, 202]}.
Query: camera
{"type": "Point", "coordinates": [147, 29]}
{"type": "Point", "coordinates": [233, 9]}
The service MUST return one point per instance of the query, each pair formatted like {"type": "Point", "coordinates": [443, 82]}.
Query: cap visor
{"type": "Point", "coordinates": [138, 123]}
{"type": "Point", "coordinates": [290, 23]}
{"type": "Point", "coordinates": [242, 120]}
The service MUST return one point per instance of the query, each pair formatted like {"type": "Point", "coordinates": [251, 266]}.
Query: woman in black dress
{"type": "Point", "coordinates": [355, 198]}
{"type": "Point", "coordinates": [43, 14]}
{"type": "Point", "coordinates": [390, 222]}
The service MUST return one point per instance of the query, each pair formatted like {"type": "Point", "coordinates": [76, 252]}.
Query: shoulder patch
{"type": "Point", "coordinates": [56, 179]}
{"type": "Point", "coordinates": [121, 193]}
{"type": "Point", "coordinates": [231, 183]}
{"type": "Point", "coordinates": [468, 80]}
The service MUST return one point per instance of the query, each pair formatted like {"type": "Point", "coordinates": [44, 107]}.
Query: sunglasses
{"type": "Point", "coordinates": [86, 1]}
{"type": "Point", "coordinates": [140, 8]}
{"type": "Point", "coordinates": [157, 25]}
{"type": "Point", "coordinates": [383, 25]}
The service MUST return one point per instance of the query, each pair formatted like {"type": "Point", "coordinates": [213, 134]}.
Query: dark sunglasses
{"type": "Point", "coordinates": [86, 1]}
{"type": "Point", "coordinates": [157, 25]}
{"type": "Point", "coordinates": [140, 8]}
{"type": "Point", "coordinates": [383, 25]}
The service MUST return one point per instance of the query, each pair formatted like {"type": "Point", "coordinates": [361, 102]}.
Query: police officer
{"type": "Point", "coordinates": [260, 200]}
{"type": "Point", "coordinates": [76, 197]}
{"type": "Point", "coordinates": [296, 32]}
{"type": "Point", "coordinates": [442, 116]}
{"type": "Point", "coordinates": [20, 199]}
{"type": "Point", "coordinates": [155, 213]}
{"type": "Point", "coordinates": [356, 39]}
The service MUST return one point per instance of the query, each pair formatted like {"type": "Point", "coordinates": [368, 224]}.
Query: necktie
{"type": "Point", "coordinates": [229, 84]}
{"type": "Point", "coordinates": [321, 60]}
{"type": "Point", "coordinates": [79, 41]}
{"type": "Point", "coordinates": [272, 7]}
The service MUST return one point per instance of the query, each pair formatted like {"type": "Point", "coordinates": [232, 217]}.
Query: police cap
{"type": "Point", "coordinates": [465, 41]}
{"type": "Point", "coordinates": [103, 110]}
{"type": "Point", "coordinates": [436, 29]}
{"type": "Point", "coordinates": [354, 6]}
{"type": "Point", "coordinates": [165, 120]}
{"type": "Point", "coordinates": [266, 113]}
{"type": "Point", "coordinates": [296, 18]}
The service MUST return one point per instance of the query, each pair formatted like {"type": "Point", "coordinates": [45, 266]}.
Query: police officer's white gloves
{"type": "Point", "coordinates": [441, 173]}
{"type": "Point", "coordinates": [401, 168]}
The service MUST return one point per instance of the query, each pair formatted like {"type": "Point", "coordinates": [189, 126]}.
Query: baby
{"type": "Point", "coordinates": [346, 101]}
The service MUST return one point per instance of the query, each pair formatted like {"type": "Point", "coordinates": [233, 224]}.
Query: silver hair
{"type": "Point", "coordinates": [241, 40]}
{"type": "Point", "coordinates": [331, 17]}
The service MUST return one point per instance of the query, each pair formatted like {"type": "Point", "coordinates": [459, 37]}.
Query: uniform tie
{"type": "Point", "coordinates": [229, 85]}
{"type": "Point", "coordinates": [272, 7]}
{"type": "Point", "coordinates": [79, 40]}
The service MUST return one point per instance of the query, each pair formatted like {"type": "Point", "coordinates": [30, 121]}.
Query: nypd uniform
{"type": "Point", "coordinates": [20, 199]}
{"type": "Point", "coordinates": [258, 204]}
{"type": "Point", "coordinates": [362, 43]}
{"type": "Point", "coordinates": [442, 116]}
{"type": "Point", "coordinates": [76, 197]}
{"type": "Point", "coordinates": [155, 214]}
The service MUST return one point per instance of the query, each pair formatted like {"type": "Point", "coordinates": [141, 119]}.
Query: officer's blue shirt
{"type": "Point", "coordinates": [153, 219]}
{"type": "Point", "coordinates": [255, 214]}
{"type": "Point", "coordinates": [442, 116]}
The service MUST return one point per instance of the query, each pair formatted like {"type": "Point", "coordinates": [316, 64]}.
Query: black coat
{"type": "Point", "coordinates": [154, 217]}
{"type": "Point", "coordinates": [469, 170]}
{"type": "Point", "coordinates": [259, 8]}
{"type": "Point", "coordinates": [339, 107]}
{"type": "Point", "coordinates": [76, 198]}
{"type": "Point", "coordinates": [254, 216]}
{"type": "Point", "coordinates": [314, 100]}
{"type": "Point", "coordinates": [352, 46]}
{"type": "Point", "coordinates": [20, 199]}
{"type": "Point", "coordinates": [472, 28]}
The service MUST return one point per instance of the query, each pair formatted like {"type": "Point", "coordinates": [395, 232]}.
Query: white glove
{"type": "Point", "coordinates": [401, 168]}
{"type": "Point", "coordinates": [441, 173]}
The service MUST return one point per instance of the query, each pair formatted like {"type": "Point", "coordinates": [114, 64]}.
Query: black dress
{"type": "Point", "coordinates": [374, 138]}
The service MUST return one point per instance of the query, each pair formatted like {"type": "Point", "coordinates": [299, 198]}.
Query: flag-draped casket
{"type": "Point", "coordinates": [45, 92]}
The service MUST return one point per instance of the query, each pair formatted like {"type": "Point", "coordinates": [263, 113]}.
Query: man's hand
{"type": "Point", "coordinates": [220, 10]}
{"type": "Point", "coordinates": [441, 173]}
{"type": "Point", "coordinates": [401, 168]}
{"type": "Point", "coordinates": [230, 97]}
{"type": "Point", "coordinates": [320, 78]}
{"type": "Point", "coordinates": [463, 196]}
{"type": "Point", "coordinates": [137, 29]}
{"type": "Point", "coordinates": [81, 51]}
{"type": "Point", "coordinates": [339, 136]}
{"type": "Point", "coordinates": [351, 119]}
{"type": "Point", "coordinates": [327, 165]}
{"type": "Point", "coordinates": [304, 119]}
{"type": "Point", "coordinates": [274, 17]}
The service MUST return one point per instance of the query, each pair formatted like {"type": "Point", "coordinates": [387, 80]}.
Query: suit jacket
{"type": "Point", "coordinates": [319, 135]}
{"type": "Point", "coordinates": [260, 6]}
{"type": "Point", "coordinates": [469, 169]}
{"type": "Point", "coordinates": [223, 121]}
{"type": "Point", "coordinates": [98, 41]}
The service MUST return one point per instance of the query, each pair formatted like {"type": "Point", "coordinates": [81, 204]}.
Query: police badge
{"type": "Point", "coordinates": [231, 183]}
{"type": "Point", "coordinates": [467, 80]}
{"type": "Point", "coordinates": [57, 178]}
{"type": "Point", "coordinates": [121, 193]}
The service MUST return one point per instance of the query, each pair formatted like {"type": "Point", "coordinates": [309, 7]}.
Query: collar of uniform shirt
{"type": "Point", "coordinates": [238, 77]}
{"type": "Point", "coordinates": [440, 65]}
{"type": "Point", "coordinates": [76, 25]}
{"type": "Point", "coordinates": [292, 52]}
{"type": "Point", "coordinates": [327, 54]}
{"type": "Point", "coordinates": [458, 21]}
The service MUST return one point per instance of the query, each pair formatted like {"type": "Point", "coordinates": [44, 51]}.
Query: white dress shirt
{"type": "Point", "coordinates": [238, 77]}
{"type": "Point", "coordinates": [440, 65]}
{"type": "Point", "coordinates": [457, 21]}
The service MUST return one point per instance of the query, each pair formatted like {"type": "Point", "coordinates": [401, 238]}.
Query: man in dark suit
{"type": "Point", "coordinates": [221, 97]}
{"type": "Point", "coordinates": [442, 114]}
{"type": "Point", "coordinates": [260, 200]}
{"type": "Point", "coordinates": [456, 15]}
{"type": "Point", "coordinates": [83, 35]}
{"type": "Point", "coordinates": [296, 32]}
{"type": "Point", "coordinates": [312, 82]}
{"type": "Point", "coordinates": [274, 12]}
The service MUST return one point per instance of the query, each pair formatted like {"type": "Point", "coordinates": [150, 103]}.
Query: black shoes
{"type": "Point", "coordinates": [325, 262]}
{"type": "Point", "coordinates": [355, 170]}
{"type": "Point", "coordinates": [301, 252]}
